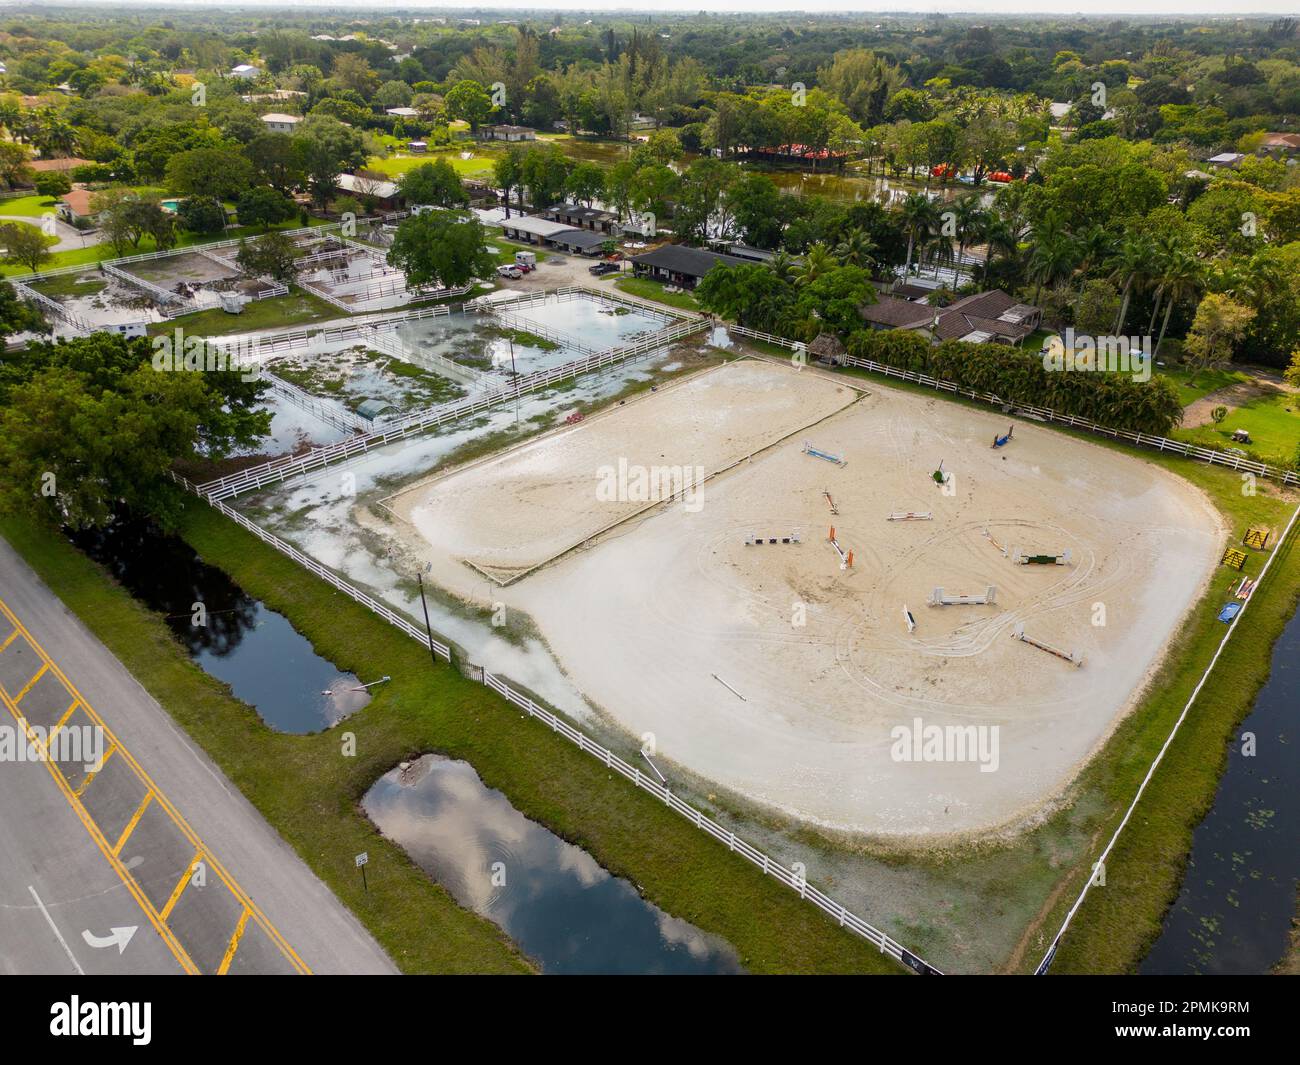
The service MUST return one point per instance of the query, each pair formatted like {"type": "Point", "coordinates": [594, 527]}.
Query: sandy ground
{"type": "Point", "coordinates": [777, 674]}
{"type": "Point", "coordinates": [517, 510]}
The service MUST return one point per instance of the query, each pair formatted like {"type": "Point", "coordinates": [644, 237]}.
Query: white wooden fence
{"type": "Point", "coordinates": [280, 470]}
{"type": "Point", "coordinates": [1159, 443]}
{"type": "Point", "coordinates": [770, 867]}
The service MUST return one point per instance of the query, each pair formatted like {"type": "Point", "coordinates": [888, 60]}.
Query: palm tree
{"type": "Point", "coordinates": [1181, 278]}
{"type": "Point", "coordinates": [856, 249]}
{"type": "Point", "coordinates": [783, 265]}
{"type": "Point", "coordinates": [920, 218]}
{"type": "Point", "coordinates": [818, 261]}
{"type": "Point", "coordinates": [1053, 256]}
{"type": "Point", "coordinates": [1130, 268]}
{"type": "Point", "coordinates": [971, 224]}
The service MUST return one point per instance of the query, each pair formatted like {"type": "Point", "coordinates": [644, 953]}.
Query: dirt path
{"type": "Point", "coordinates": [1201, 411]}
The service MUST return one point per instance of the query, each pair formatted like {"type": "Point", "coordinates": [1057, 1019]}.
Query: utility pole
{"type": "Point", "coordinates": [428, 631]}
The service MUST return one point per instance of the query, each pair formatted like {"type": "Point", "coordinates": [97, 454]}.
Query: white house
{"type": "Point", "coordinates": [278, 123]}
{"type": "Point", "coordinates": [402, 112]}
{"type": "Point", "coordinates": [244, 71]}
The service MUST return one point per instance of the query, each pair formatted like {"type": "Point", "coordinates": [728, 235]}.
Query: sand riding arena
{"type": "Point", "coordinates": [849, 605]}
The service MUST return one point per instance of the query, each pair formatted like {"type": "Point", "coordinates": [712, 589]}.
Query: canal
{"type": "Point", "coordinates": [1234, 910]}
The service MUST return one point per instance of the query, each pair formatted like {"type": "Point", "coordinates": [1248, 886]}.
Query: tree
{"type": "Point", "coordinates": [264, 206]}
{"type": "Point", "coordinates": [862, 81]}
{"type": "Point", "coordinates": [15, 166]}
{"type": "Point", "coordinates": [17, 316]}
{"type": "Point", "coordinates": [437, 248]}
{"type": "Point", "coordinates": [271, 255]}
{"type": "Point", "coordinates": [94, 413]}
{"type": "Point", "coordinates": [325, 148]}
{"type": "Point", "coordinates": [201, 214]}
{"type": "Point", "coordinates": [509, 173]}
{"type": "Point", "coordinates": [757, 209]}
{"type": "Point", "coordinates": [274, 161]}
{"type": "Point", "coordinates": [585, 183]}
{"type": "Point", "coordinates": [223, 173]}
{"type": "Point", "coordinates": [1216, 329]}
{"type": "Point", "coordinates": [434, 183]}
{"type": "Point", "coordinates": [53, 183]}
{"type": "Point", "coordinates": [25, 245]}
{"type": "Point", "coordinates": [920, 218]}
{"type": "Point", "coordinates": [469, 102]}
{"type": "Point", "coordinates": [393, 94]}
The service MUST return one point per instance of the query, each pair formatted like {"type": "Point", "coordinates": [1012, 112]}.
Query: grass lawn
{"type": "Point", "coordinates": [505, 250]}
{"type": "Point", "coordinates": [28, 206]}
{"type": "Point", "coordinates": [1273, 422]}
{"type": "Point", "coordinates": [654, 290]}
{"type": "Point", "coordinates": [278, 312]}
{"type": "Point", "coordinates": [1190, 388]}
{"type": "Point", "coordinates": [478, 167]}
{"type": "Point", "coordinates": [310, 794]}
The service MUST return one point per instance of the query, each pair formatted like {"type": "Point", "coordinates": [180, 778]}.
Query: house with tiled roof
{"type": "Point", "coordinates": [977, 319]}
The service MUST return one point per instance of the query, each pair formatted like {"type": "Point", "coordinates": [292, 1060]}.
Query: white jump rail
{"type": "Point", "coordinates": [770, 867]}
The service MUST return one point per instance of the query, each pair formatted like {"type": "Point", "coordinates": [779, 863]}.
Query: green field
{"type": "Point", "coordinates": [1273, 422]}
{"type": "Point", "coordinates": [654, 290]}
{"type": "Point", "coordinates": [278, 312]}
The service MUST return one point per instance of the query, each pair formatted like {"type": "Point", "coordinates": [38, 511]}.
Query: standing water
{"type": "Point", "coordinates": [1234, 911]}
{"type": "Point", "coordinates": [265, 660]}
{"type": "Point", "coordinates": [550, 897]}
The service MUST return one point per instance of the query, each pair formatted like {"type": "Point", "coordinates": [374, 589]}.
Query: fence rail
{"type": "Point", "coordinates": [770, 867]}
{"type": "Point", "coordinates": [337, 416]}
{"type": "Point", "coordinates": [279, 470]}
{"type": "Point", "coordinates": [1159, 443]}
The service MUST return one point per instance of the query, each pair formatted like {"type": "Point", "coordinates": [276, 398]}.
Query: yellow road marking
{"type": "Point", "coordinates": [9, 639]}
{"type": "Point", "coordinates": [31, 683]}
{"type": "Point", "coordinates": [62, 721]}
{"type": "Point", "coordinates": [173, 814]}
{"type": "Point", "coordinates": [135, 820]}
{"type": "Point", "coordinates": [95, 772]}
{"type": "Point", "coordinates": [173, 944]}
{"type": "Point", "coordinates": [229, 956]}
{"type": "Point", "coordinates": [179, 889]}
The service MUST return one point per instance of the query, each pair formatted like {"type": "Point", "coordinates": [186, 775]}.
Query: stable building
{"type": "Point", "coordinates": [676, 264]}
{"type": "Point", "coordinates": [580, 217]}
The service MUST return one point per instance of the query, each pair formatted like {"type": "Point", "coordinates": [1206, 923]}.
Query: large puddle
{"type": "Point", "coordinates": [263, 658]}
{"type": "Point", "coordinates": [561, 908]}
{"type": "Point", "coordinates": [1233, 914]}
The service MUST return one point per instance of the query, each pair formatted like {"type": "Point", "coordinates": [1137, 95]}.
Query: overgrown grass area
{"type": "Point", "coordinates": [1194, 386]}
{"type": "Point", "coordinates": [478, 166]}
{"type": "Point", "coordinates": [654, 290]}
{"type": "Point", "coordinates": [310, 793]}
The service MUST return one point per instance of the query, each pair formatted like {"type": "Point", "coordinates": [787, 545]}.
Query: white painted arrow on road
{"type": "Point", "coordinates": [120, 938]}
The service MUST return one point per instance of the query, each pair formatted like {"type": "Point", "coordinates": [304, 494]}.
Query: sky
{"type": "Point", "coordinates": [1131, 8]}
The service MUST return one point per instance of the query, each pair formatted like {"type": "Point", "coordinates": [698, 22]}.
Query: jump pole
{"type": "Point", "coordinates": [989, 598]}
{"type": "Point", "coordinates": [753, 540]}
{"type": "Point", "coordinates": [830, 502]}
{"type": "Point", "coordinates": [911, 515]}
{"type": "Point", "coordinates": [808, 449]}
{"type": "Point", "coordinates": [989, 536]}
{"type": "Point", "coordinates": [846, 560]}
{"type": "Point", "coordinates": [907, 617]}
{"type": "Point", "coordinates": [1020, 558]}
{"type": "Point", "coordinates": [1073, 657]}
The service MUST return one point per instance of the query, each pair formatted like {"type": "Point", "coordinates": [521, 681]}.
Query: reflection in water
{"type": "Point", "coordinates": [266, 662]}
{"type": "Point", "coordinates": [550, 897]}
{"type": "Point", "coordinates": [1234, 910]}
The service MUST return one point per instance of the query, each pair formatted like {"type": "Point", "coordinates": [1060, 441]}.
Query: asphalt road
{"type": "Point", "coordinates": [125, 849]}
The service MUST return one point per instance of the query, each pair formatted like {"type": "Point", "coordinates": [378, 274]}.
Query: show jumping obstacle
{"type": "Point", "coordinates": [1069, 656]}
{"type": "Point", "coordinates": [1017, 556]}
{"type": "Point", "coordinates": [846, 559]}
{"type": "Point", "coordinates": [989, 536]}
{"type": "Point", "coordinates": [1001, 441]}
{"type": "Point", "coordinates": [937, 598]}
{"type": "Point", "coordinates": [831, 503]}
{"type": "Point", "coordinates": [808, 449]}
{"type": "Point", "coordinates": [911, 515]}
{"type": "Point", "coordinates": [757, 541]}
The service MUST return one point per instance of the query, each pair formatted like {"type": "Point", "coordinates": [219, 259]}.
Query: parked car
{"type": "Point", "coordinates": [603, 268]}
{"type": "Point", "coordinates": [510, 270]}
